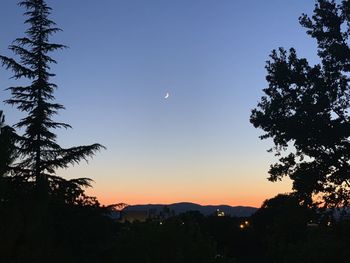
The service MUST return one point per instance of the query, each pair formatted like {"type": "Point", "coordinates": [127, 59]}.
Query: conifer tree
{"type": "Point", "coordinates": [39, 153]}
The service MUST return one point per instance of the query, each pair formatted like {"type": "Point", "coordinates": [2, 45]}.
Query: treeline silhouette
{"type": "Point", "coordinates": [47, 218]}
{"type": "Point", "coordinates": [280, 231]}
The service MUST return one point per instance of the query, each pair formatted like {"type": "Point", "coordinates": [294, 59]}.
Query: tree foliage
{"type": "Point", "coordinates": [8, 153]}
{"type": "Point", "coordinates": [305, 109]}
{"type": "Point", "coordinates": [7, 146]}
{"type": "Point", "coordinates": [39, 153]}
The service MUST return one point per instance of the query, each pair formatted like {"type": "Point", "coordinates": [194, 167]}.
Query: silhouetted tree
{"type": "Point", "coordinates": [282, 215]}
{"type": "Point", "coordinates": [177, 239]}
{"type": "Point", "coordinates": [281, 224]}
{"type": "Point", "coordinates": [305, 109]}
{"type": "Point", "coordinates": [7, 146]}
{"type": "Point", "coordinates": [8, 154]}
{"type": "Point", "coordinates": [40, 154]}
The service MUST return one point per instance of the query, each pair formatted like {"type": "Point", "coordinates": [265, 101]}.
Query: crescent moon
{"type": "Point", "coordinates": [167, 95]}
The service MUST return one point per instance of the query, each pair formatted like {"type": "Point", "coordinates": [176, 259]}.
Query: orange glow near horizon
{"type": "Point", "coordinates": [219, 181]}
{"type": "Point", "coordinates": [104, 200]}
{"type": "Point", "coordinates": [253, 198]}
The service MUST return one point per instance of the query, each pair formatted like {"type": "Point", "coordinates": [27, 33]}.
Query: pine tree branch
{"type": "Point", "coordinates": [18, 69]}
{"type": "Point", "coordinates": [22, 51]}
{"type": "Point", "coordinates": [72, 156]}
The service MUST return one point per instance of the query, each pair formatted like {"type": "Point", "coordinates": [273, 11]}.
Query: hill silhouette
{"type": "Point", "coordinates": [178, 208]}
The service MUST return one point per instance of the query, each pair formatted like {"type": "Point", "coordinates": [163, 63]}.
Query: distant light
{"type": "Point", "coordinates": [218, 256]}
{"type": "Point", "coordinates": [241, 226]}
{"type": "Point", "coordinates": [161, 223]}
{"type": "Point", "coordinates": [220, 213]}
{"type": "Point", "coordinates": [246, 223]}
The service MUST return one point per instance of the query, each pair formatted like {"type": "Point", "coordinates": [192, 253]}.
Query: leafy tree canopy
{"type": "Point", "coordinates": [305, 109]}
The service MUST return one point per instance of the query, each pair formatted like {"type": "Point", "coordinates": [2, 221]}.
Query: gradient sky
{"type": "Point", "coordinates": [124, 55]}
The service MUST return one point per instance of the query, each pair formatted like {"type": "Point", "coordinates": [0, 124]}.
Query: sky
{"type": "Point", "coordinates": [125, 55]}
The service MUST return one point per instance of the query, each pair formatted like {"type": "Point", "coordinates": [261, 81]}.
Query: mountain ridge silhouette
{"type": "Point", "coordinates": [181, 207]}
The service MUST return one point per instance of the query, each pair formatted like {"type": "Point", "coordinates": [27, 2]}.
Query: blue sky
{"type": "Point", "coordinates": [124, 55]}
